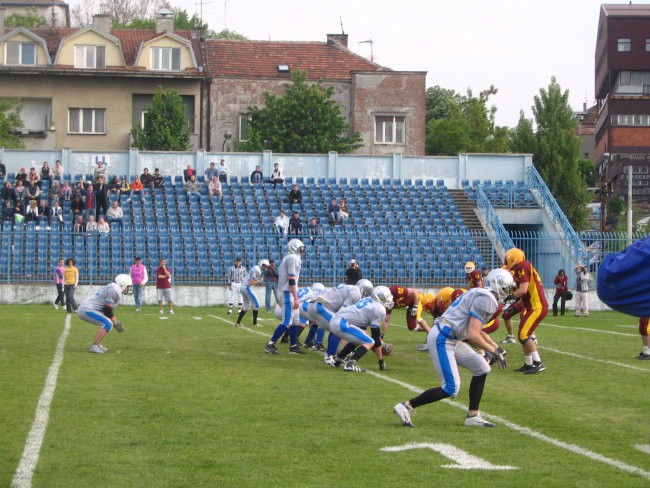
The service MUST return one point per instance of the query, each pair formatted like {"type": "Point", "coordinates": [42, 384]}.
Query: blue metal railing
{"type": "Point", "coordinates": [493, 221]}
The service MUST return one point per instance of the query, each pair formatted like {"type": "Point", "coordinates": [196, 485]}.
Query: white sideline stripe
{"type": "Point", "coordinates": [643, 448]}
{"type": "Point", "coordinates": [517, 428]}
{"type": "Point", "coordinates": [579, 356]}
{"type": "Point", "coordinates": [546, 324]}
{"type": "Point", "coordinates": [25, 470]}
{"type": "Point", "coordinates": [242, 328]}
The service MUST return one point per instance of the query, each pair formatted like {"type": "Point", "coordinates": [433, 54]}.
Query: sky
{"type": "Point", "coordinates": [515, 45]}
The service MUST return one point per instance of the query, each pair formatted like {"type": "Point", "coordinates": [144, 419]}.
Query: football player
{"type": "Point", "coordinates": [473, 275]}
{"type": "Point", "coordinates": [460, 322]}
{"type": "Point", "coordinates": [252, 278]}
{"type": "Point", "coordinates": [408, 298]}
{"type": "Point", "coordinates": [98, 309]}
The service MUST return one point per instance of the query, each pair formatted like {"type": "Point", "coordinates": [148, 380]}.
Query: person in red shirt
{"type": "Point", "coordinates": [411, 299]}
{"type": "Point", "coordinates": [561, 283]}
{"type": "Point", "coordinates": [136, 187]}
{"type": "Point", "coordinates": [164, 286]}
{"type": "Point", "coordinates": [530, 293]}
{"type": "Point", "coordinates": [473, 275]}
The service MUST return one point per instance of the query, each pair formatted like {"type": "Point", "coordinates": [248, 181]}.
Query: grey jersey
{"type": "Point", "coordinates": [289, 268]}
{"type": "Point", "coordinates": [254, 274]}
{"type": "Point", "coordinates": [236, 274]}
{"type": "Point", "coordinates": [475, 302]}
{"type": "Point", "coordinates": [364, 313]}
{"type": "Point", "coordinates": [340, 296]}
{"type": "Point", "coordinates": [306, 293]}
{"type": "Point", "coordinates": [110, 296]}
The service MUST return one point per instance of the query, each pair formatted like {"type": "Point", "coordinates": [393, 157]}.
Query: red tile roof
{"type": "Point", "coordinates": [260, 59]}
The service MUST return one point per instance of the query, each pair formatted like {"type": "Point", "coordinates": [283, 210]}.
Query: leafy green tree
{"type": "Point", "coordinates": [30, 19]}
{"type": "Point", "coordinates": [226, 34]}
{"type": "Point", "coordinates": [165, 124]}
{"type": "Point", "coordinates": [9, 123]}
{"type": "Point", "coordinates": [305, 120]}
{"type": "Point", "coordinates": [588, 171]}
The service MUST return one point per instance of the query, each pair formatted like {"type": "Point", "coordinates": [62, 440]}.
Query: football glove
{"type": "Point", "coordinates": [382, 365]}
{"type": "Point", "coordinates": [414, 311]}
{"type": "Point", "coordinates": [118, 326]}
{"type": "Point", "coordinates": [510, 299]}
{"type": "Point", "coordinates": [499, 357]}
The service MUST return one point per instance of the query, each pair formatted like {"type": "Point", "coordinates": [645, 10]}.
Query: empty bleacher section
{"type": "Point", "coordinates": [414, 232]}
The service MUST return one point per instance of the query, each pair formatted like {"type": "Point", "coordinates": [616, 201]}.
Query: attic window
{"type": "Point", "coordinates": [283, 68]}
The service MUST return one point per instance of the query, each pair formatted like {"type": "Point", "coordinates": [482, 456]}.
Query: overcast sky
{"type": "Point", "coordinates": [515, 45]}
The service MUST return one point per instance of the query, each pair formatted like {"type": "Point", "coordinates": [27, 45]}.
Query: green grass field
{"type": "Point", "coordinates": [192, 401]}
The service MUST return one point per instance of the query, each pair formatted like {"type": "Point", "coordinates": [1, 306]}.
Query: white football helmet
{"type": "Point", "coordinates": [383, 295]}
{"type": "Point", "coordinates": [501, 282]}
{"type": "Point", "coordinates": [295, 246]}
{"type": "Point", "coordinates": [263, 262]}
{"type": "Point", "coordinates": [317, 287]}
{"type": "Point", "coordinates": [125, 283]}
{"type": "Point", "coordinates": [365, 287]}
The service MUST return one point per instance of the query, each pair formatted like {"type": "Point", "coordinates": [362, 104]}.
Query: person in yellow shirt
{"type": "Point", "coordinates": [70, 282]}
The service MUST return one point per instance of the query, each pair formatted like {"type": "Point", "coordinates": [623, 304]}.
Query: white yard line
{"type": "Point", "coordinates": [545, 324]}
{"type": "Point", "coordinates": [586, 358]}
{"type": "Point", "coordinates": [25, 471]}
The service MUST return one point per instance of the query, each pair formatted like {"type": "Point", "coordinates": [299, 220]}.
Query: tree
{"type": "Point", "coordinates": [556, 150]}
{"type": "Point", "coordinates": [165, 124]}
{"type": "Point", "coordinates": [123, 12]}
{"type": "Point", "coordinates": [462, 123]}
{"type": "Point", "coordinates": [10, 122]}
{"type": "Point", "coordinates": [305, 120]}
{"type": "Point", "coordinates": [30, 19]}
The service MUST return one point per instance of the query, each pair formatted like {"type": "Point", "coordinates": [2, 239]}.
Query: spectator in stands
{"type": "Point", "coordinates": [582, 290]}
{"type": "Point", "coordinates": [115, 214]}
{"type": "Point", "coordinates": [344, 211]}
{"type": "Point", "coordinates": [188, 172]}
{"type": "Point", "coordinates": [211, 171]}
{"type": "Point", "coordinates": [334, 211]}
{"type": "Point", "coordinates": [125, 187]}
{"type": "Point", "coordinates": [80, 189]}
{"type": "Point", "coordinates": [44, 212]}
{"type": "Point", "coordinates": [102, 226]}
{"type": "Point", "coordinates": [31, 214]}
{"type": "Point", "coordinates": [100, 190]}
{"type": "Point", "coordinates": [91, 225]}
{"type": "Point", "coordinates": [295, 224]}
{"type": "Point", "coordinates": [46, 173]}
{"type": "Point", "coordinates": [158, 179]}
{"type": "Point", "coordinates": [56, 212]}
{"type": "Point", "coordinates": [70, 282]}
{"type": "Point", "coordinates": [66, 192]}
{"type": "Point", "coordinates": [59, 271]}
{"type": "Point", "coordinates": [353, 274]}
{"type": "Point", "coordinates": [282, 223]}
{"type": "Point", "coordinates": [33, 192]}
{"type": "Point", "coordinates": [138, 274]}
{"type": "Point", "coordinates": [100, 170]}
{"type": "Point", "coordinates": [295, 198]}
{"type": "Point", "coordinates": [8, 211]}
{"type": "Point", "coordinates": [314, 229]}
{"type": "Point", "coordinates": [136, 188]}
{"type": "Point", "coordinates": [223, 171]}
{"type": "Point", "coordinates": [271, 284]}
{"type": "Point", "coordinates": [3, 171]}
{"type": "Point", "coordinates": [114, 188]}
{"type": "Point", "coordinates": [256, 176]}
{"type": "Point", "coordinates": [7, 192]}
{"type": "Point", "coordinates": [192, 188]}
{"type": "Point", "coordinates": [561, 288]}
{"type": "Point", "coordinates": [34, 177]}
{"type": "Point", "coordinates": [89, 199]}
{"type": "Point", "coordinates": [21, 176]}
{"type": "Point", "coordinates": [147, 181]}
{"type": "Point", "coordinates": [57, 171]}
{"type": "Point", "coordinates": [79, 226]}
{"type": "Point", "coordinates": [214, 187]}
{"type": "Point", "coordinates": [55, 192]}
{"type": "Point", "coordinates": [164, 286]}
{"type": "Point", "coordinates": [277, 177]}
{"type": "Point", "coordinates": [77, 206]}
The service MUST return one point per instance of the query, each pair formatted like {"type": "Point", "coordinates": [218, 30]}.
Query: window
{"type": "Point", "coordinates": [166, 58]}
{"type": "Point", "coordinates": [626, 77]}
{"type": "Point", "coordinates": [389, 129]}
{"type": "Point", "coordinates": [20, 53]}
{"type": "Point", "coordinates": [87, 121]}
{"type": "Point", "coordinates": [631, 120]}
{"type": "Point", "coordinates": [244, 122]}
{"type": "Point", "coordinates": [89, 56]}
{"type": "Point", "coordinates": [624, 45]}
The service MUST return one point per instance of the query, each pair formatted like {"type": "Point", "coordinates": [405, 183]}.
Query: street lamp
{"type": "Point", "coordinates": [604, 190]}
{"type": "Point", "coordinates": [226, 137]}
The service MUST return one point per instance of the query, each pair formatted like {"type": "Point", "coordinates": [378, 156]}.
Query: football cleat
{"type": "Point", "coordinates": [351, 367]}
{"type": "Point", "coordinates": [171, 312]}
{"type": "Point", "coordinates": [422, 347]}
{"type": "Point", "coordinates": [477, 421]}
{"type": "Point", "coordinates": [97, 349]}
{"type": "Point", "coordinates": [537, 367]}
{"type": "Point", "coordinates": [643, 356]}
{"type": "Point", "coordinates": [270, 348]}
{"type": "Point", "coordinates": [296, 350]}
{"type": "Point", "coordinates": [524, 368]}
{"type": "Point", "coordinates": [404, 413]}
{"type": "Point", "coordinates": [330, 361]}
{"type": "Point", "coordinates": [509, 340]}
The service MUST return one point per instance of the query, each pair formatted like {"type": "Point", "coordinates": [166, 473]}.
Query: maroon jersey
{"type": "Point", "coordinates": [401, 296]}
{"type": "Point", "coordinates": [475, 279]}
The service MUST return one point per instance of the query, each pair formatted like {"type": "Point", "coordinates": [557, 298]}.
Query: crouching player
{"type": "Point", "coordinates": [350, 323]}
{"type": "Point", "coordinates": [98, 309]}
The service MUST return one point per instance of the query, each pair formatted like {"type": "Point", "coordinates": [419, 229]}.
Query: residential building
{"type": "Point", "coordinates": [55, 12]}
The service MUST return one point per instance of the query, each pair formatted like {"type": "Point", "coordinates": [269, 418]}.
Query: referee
{"type": "Point", "coordinates": [236, 274]}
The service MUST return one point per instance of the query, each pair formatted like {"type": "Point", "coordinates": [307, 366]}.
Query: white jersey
{"type": "Point", "coordinates": [110, 296]}
{"type": "Point", "coordinates": [306, 294]}
{"type": "Point", "coordinates": [475, 302]}
{"type": "Point", "coordinates": [339, 297]}
{"type": "Point", "coordinates": [364, 313]}
{"type": "Point", "coordinates": [253, 275]}
{"type": "Point", "coordinates": [289, 268]}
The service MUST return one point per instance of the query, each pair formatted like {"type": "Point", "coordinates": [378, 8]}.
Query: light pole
{"type": "Point", "coordinates": [226, 137]}
{"type": "Point", "coordinates": [604, 190]}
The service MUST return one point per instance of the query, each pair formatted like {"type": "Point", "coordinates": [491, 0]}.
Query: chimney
{"type": "Point", "coordinates": [2, 19]}
{"type": "Point", "coordinates": [103, 22]}
{"type": "Point", "coordinates": [341, 39]}
{"type": "Point", "coordinates": [164, 21]}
